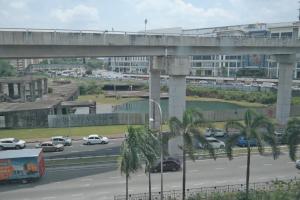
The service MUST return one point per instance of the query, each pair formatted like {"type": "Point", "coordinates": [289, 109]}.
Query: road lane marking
{"type": "Point", "coordinates": [108, 149]}
{"type": "Point", "coordinates": [77, 195]}
{"type": "Point", "coordinates": [194, 170]}
{"type": "Point", "coordinates": [113, 177]}
{"type": "Point", "coordinates": [175, 186]}
{"type": "Point", "coordinates": [267, 164]}
{"type": "Point", "coordinates": [242, 166]}
{"type": "Point", "coordinates": [220, 168]}
{"type": "Point", "coordinates": [49, 198]}
{"type": "Point", "coordinates": [86, 179]}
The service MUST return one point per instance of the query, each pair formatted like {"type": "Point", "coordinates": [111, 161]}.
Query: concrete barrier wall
{"type": "Point", "coordinates": [60, 121]}
{"type": "Point", "coordinates": [56, 121]}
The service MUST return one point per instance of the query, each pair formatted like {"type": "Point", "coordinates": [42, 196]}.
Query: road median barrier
{"type": "Point", "coordinates": [88, 160]}
{"type": "Point", "coordinates": [204, 154]}
{"type": "Point", "coordinates": [200, 155]}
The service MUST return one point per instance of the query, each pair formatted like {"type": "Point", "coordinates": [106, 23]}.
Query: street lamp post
{"type": "Point", "coordinates": [146, 21]}
{"type": "Point", "coordinates": [161, 146]}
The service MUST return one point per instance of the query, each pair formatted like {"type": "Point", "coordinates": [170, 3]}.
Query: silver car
{"type": "Point", "coordinates": [50, 147]}
{"type": "Point", "coordinates": [66, 141]}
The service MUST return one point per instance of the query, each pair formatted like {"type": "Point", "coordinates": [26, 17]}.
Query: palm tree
{"type": "Point", "coordinates": [149, 149]}
{"type": "Point", "coordinates": [129, 158]}
{"type": "Point", "coordinates": [293, 136]}
{"type": "Point", "coordinates": [255, 127]}
{"type": "Point", "coordinates": [189, 129]}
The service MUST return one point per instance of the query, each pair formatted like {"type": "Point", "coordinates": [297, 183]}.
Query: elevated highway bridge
{"type": "Point", "coordinates": [167, 52]}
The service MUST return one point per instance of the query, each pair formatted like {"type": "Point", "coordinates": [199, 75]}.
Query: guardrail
{"type": "Point", "coordinates": [205, 192]}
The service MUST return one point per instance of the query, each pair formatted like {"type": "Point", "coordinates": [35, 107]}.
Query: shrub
{"type": "Point", "coordinates": [258, 97]}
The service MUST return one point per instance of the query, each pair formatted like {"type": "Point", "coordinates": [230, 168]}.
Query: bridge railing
{"type": "Point", "coordinates": [207, 35]}
{"type": "Point", "coordinates": [205, 192]}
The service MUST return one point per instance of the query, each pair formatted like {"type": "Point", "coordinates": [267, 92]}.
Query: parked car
{"type": "Point", "coordinates": [169, 164]}
{"type": "Point", "coordinates": [243, 142]}
{"type": "Point", "coordinates": [50, 147]}
{"type": "Point", "coordinates": [66, 141]}
{"type": "Point", "coordinates": [215, 143]}
{"type": "Point", "coordinates": [95, 139]}
{"type": "Point", "coordinates": [279, 137]}
{"type": "Point", "coordinates": [12, 143]}
{"type": "Point", "coordinates": [298, 164]}
{"type": "Point", "coordinates": [214, 132]}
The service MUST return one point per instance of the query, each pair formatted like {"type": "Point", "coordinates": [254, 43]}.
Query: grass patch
{"type": "Point", "coordinates": [101, 99]}
{"type": "Point", "coordinates": [75, 132]}
{"type": "Point", "coordinates": [42, 133]}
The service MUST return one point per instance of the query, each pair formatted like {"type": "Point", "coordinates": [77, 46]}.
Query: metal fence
{"type": "Point", "coordinates": [205, 192]}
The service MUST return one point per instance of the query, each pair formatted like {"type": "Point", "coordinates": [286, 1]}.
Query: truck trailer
{"type": "Point", "coordinates": [21, 165]}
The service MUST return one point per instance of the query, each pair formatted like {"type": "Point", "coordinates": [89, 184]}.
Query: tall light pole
{"type": "Point", "coordinates": [161, 146]}
{"type": "Point", "coordinates": [146, 21]}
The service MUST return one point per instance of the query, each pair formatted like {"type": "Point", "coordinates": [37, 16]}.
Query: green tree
{"type": "Point", "coordinates": [149, 149]}
{"type": "Point", "coordinates": [188, 129]}
{"type": "Point", "coordinates": [255, 127]}
{"type": "Point", "coordinates": [293, 137]}
{"type": "Point", "coordinates": [6, 69]}
{"type": "Point", "coordinates": [129, 158]}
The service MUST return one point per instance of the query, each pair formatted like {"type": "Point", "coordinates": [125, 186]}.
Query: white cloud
{"type": "Point", "coordinates": [78, 13]}
{"type": "Point", "coordinates": [18, 4]}
{"type": "Point", "coordinates": [181, 13]}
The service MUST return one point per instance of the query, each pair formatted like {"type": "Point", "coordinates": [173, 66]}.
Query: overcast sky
{"type": "Point", "coordinates": [129, 15]}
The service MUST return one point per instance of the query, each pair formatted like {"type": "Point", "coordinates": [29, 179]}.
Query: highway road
{"type": "Point", "coordinates": [105, 181]}
{"type": "Point", "coordinates": [78, 149]}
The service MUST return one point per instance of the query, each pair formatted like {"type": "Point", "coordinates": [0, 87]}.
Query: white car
{"type": "Point", "coordinates": [214, 132]}
{"type": "Point", "coordinates": [95, 139]}
{"type": "Point", "coordinates": [215, 143]}
{"type": "Point", "coordinates": [12, 143]}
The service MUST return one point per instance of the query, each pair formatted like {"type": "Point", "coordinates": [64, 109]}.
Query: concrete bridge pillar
{"type": "Point", "coordinates": [93, 108]}
{"type": "Point", "coordinates": [32, 90]}
{"type": "Point", "coordinates": [22, 91]}
{"type": "Point", "coordinates": [1, 88]}
{"type": "Point", "coordinates": [284, 94]}
{"type": "Point", "coordinates": [39, 88]}
{"type": "Point", "coordinates": [45, 86]}
{"type": "Point", "coordinates": [11, 90]}
{"type": "Point", "coordinates": [178, 69]}
{"type": "Point", "coordinates": [156, 63]}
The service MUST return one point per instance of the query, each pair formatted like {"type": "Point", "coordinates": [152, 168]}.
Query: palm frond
{"type": "Point", "coordinates": [189, 146]}
{"type": "Point", "coordinates": [234, 125]}
{"type": "Point", "coordinates": [230, 143]}
{"type": "Point", "coordinates": [293, 139]}
{"type": "Point", "coordinates": [259, 140]}
{"type": "Point", "coordinates": [176, 127]}
{"type": "Point", "coordinates": [202, 139]}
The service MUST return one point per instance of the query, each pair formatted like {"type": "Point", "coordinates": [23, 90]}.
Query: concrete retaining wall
{"type": "Point", "coordinates": [57, 121]}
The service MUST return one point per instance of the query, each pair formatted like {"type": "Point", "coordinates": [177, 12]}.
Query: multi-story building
{"type": "Point", "coordinates": [221, 65]}
{"type": "Point", "coordinates": [132, 65]}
